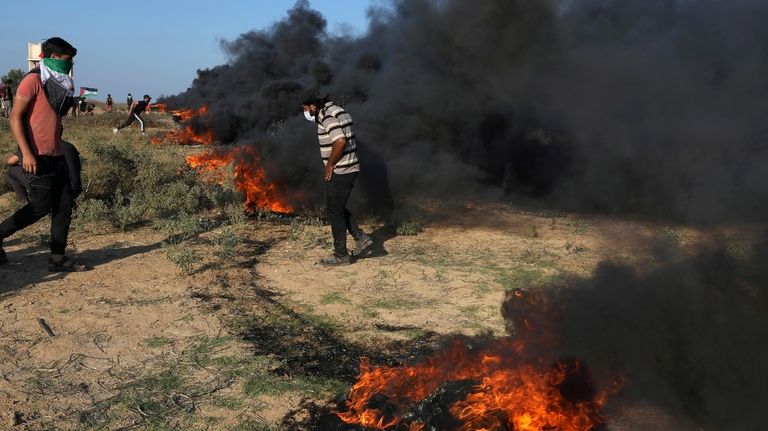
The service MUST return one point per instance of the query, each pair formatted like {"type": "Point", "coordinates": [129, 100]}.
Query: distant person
{"type": "Point", "coordinates": [2, 99]}
{"type": "Point", "coordinates": [109, 103]}
{"type": "Point", "coordinates": [129, 101]}
{"type": "Point", "coordinates": [135, 114]}
{"type": "Point", "coordinates": [7, 98]}
{"type": "Point", "coordinates": [338, 150]}
{"type": "Point", "coordinates": [43, 97]}
{"type": "Point", "coordinates": [85, 107]}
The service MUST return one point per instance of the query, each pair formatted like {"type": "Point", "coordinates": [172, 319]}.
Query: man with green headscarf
{"type": "Point", "coordinates": [42, 98]}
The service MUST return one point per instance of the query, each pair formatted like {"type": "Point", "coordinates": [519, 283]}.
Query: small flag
{"type": "Point", "coordinates": [88, 92]}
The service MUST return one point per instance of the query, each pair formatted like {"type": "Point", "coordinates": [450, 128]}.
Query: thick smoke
{"type": "Point", "coordinates": [653, 108]}
{"type": "Point", "coordinates": [688, 336]}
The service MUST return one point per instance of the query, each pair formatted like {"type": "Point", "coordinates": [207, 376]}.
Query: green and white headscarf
{"type": "Point", "coordinates": [57, 70]}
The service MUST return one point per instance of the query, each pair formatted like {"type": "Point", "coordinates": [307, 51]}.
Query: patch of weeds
{"type": "Point", "coordinates": [581, 228]}
{"type": "Point", "coordinates": [308, 230]}
{"type": "Point", "coordinates": [229, 403]}
{"type": "Point", "coordinates": [90, 211]}
{"type": "Point", "coordinates": [235, 214]}
{"type": "Point", "coordinates": [370, 312]}
{"type": "Point", "coordinates": [157, 342]}
{"type": "Point", "coordinates": [671, 235]}
{"type": "Point", "coordinates": [204, 348]}
{"type": "Point", "coordinates": [740, 250]}
{"type": "Point", "coordinates": [127, 210]}
{"type": "Point", "coordinates": [481, 290]}
{"type": "Point", "coordinates": [409, 228]}
{"type": "Point", "coordinates": [183, 257]}
{"type": "Point", "coordinates": [334, 298]}
{"type": "Point", "coordinates": [470, 311]}
{"type": "Point", "coordinates": [400, 303]}
{"type": "Point", "coordinates": [183, 226]}
{"type": "Point", "coordinates": [574, 248]}
{"type": "Point", "coordinates": [226, 244]}
{"type": "Point", "coordinates": [518, 277]}
{"type": "Point", "coordinates": [415, 333]}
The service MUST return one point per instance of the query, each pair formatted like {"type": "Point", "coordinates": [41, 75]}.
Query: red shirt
{"type": "Point", "coordinates": [41, 121]}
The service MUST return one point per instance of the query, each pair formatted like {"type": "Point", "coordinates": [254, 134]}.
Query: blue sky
{"type": "Point", "coordinates": [152, 47]}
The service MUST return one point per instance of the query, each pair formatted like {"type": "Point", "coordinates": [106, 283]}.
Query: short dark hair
{"type": "Point", "coordinates": [58, 46]}
{"type": "Point", "coordinates": [313, 97]}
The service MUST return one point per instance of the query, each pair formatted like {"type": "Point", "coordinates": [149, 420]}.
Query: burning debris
{"type": "Point", "coordinates": [491, 388]}
{"type": "Point", "coordinates": [248, 176]}
{"type": "Point", "coordinates": [503, 385]}
{"type": "Point", "coordinates": [158, 107]}
{"type": "Point", "coordinates": [187, 135]}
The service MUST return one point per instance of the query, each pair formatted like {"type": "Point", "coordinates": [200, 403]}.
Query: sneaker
{"type": "Point", "coordinates": [363, 244]}
{"type": "Point", "coordinates": [114, 130]}
{"type": "Point", "coordinates": [334, 260]}
{"type": "Point", "coordinates": [143, 133]}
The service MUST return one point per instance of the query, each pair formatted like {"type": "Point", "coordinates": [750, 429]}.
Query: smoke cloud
{"type": "Point", "coordinates": [653, 108]}
{"type": "Point", "coordinates": [688, 336]}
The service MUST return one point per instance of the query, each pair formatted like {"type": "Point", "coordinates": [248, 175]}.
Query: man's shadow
{"type": "Point", "coordinates": [29, 266]}
{"type": "Point", "coordinates": [377, 198]}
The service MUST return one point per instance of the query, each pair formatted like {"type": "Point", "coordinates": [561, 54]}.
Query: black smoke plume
{"type": "Point", "coordinates": [654, 108]}
{"type": "Point", "coordinates": [688, 336]}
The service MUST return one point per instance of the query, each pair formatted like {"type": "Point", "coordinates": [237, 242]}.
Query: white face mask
{"type": "Point", "coordinates": [309, 116]}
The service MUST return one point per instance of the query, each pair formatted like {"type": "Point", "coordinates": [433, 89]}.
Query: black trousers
{"type": "Point", "coordinates": [337, 192]}
{"type": "Point", "coordinates": [129, 120]}
{"type": "Point", "coordinates": [50, 191]}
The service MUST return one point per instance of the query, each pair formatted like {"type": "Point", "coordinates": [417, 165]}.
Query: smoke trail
{"type": "Point", "coordinates": [653, 108]}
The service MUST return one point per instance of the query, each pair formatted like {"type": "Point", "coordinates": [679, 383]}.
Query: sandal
{"type": "Point", "coordinates": [67, 265]}
{"type": "Point", "coordinates": [334, 260]}
{"type": "Point", "coordinates": [363, 244]}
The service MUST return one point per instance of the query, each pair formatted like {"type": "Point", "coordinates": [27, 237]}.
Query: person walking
{"type": "Point", "coordinates": [338, 150]}
{"type": "Point", "coordinates": [135, 114]}
{"type": "Point", "coordinates": [42, 98]}
{"type": "Point", "coordinates": [109, 103]}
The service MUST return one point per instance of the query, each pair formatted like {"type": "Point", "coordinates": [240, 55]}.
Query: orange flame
{"type": "Point", "coordinates": [186, 136]}
{"type": "Point", "coordinates": [188, 113]}
{"type": "Point", "coordinates": [159, 107]}
{"type": "Point", "coordinates": [248, 176]}
{"type": "Point", "coordinates": [506, 392]}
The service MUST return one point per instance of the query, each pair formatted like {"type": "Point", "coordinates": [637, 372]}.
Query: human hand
{"type": "Point", "coordinates": [29, 163]}
{"type": "Point", "coordinates": [328, 172]}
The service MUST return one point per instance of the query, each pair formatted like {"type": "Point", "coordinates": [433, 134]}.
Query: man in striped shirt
{"type": "Point", "coordinates": [338, 150]}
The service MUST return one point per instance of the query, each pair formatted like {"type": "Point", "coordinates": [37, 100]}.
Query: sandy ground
{"type": "Point", "coordinates": [449, 279]}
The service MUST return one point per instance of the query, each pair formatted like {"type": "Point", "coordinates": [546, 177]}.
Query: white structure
{"type": "Point", "coordinates": [33, 55]}
{"type": "Point", "coordinates": [34, 52]}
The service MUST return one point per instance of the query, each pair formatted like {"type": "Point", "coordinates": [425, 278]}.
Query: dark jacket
{"type": "Point", "coordinates": [19, 181]}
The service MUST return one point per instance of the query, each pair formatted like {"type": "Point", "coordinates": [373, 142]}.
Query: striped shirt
{"type": "Point", "coordinates": [333, 124]}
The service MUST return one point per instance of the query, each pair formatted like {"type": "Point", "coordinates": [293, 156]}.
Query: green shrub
{"type": "Point", "coordinates": [226, 244]}
{"type": "Point", "coordinates": [183, 226]}
{"type": "Point", "coordinates": [409, 228]}
{"type": "Point", "coordinates": [183, 257]}
{"type": "Point", "coordinates": [109, 168]}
